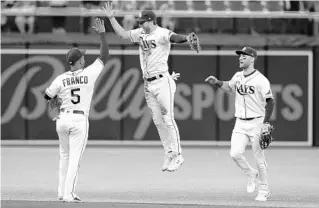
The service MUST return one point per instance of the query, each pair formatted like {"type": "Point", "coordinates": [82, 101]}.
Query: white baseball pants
{"type": "Point", "coordinates": [73, 131]}
{"type": "Point", "coordinates": [159, 95]}
{"type": "Point", "coordinates": [245, 131]}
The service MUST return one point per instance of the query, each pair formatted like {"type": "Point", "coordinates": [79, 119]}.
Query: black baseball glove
{"type": "Point", "coordinates": [193, 42]}
{"type": "Point", "coordinates": [266, 135]}
{"type": "Point", "coordinates": [54, 106]}
{"type": "Point", "coordinates": [55, 103]}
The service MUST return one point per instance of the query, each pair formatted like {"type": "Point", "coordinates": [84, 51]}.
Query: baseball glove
{"type": "Point", "coordinates": [55, 103]}
{"type": "Point", "coordinates": [193, 42]}
{"type": "Point", "coordinates": [266, 135]}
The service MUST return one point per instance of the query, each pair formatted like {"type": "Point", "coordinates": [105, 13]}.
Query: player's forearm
{"type": "Point", "coordinates": [119, 30]}
{"type": "Point", "coordinates": [223, 85]}
{"type": "Point", "coordinates": [104, 48]}
{"type": "Point", "coordinates": [269, 109]}
{"type": "Point", "coordinates": [175, 38]}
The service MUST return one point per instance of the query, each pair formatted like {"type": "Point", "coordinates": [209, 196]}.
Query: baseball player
{"type": "Point", "coordinates": [75, 89]}
{"type": "Point", "coordinates": [154, 47]}
{"type": "Point", "coordinates": [253, 107]}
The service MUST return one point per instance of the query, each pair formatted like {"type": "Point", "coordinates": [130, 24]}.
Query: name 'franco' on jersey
{"type": "Point", "coordinates": [154, 49]}
{"type": "Point", "coordinates": [76, 88]}
{"type": "Point", "coordinates": [251, 94]}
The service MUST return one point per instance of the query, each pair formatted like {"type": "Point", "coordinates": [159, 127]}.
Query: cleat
{"type": "Point", "coordinates": [167, 161]}
{"type": "Point", "coordinates": [263, 196]}
{"type": "Point", "coordinates": [251, 185]}
{"type": "Point", "coordinates": [177, 162]}
{"type": "Point", "coordinates": [76, 199]}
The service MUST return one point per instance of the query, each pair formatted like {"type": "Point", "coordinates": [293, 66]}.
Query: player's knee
{"type": "Point", "coordinates": [158, 121]}
{"type": "Point", "coordinates": [64, 155]}
{"type": "Point", "coordinates": [235, 155]}
{"type": "Point", "coordinates": [261, 164]}
{"type": "Point", "coordinates": [168, 119]}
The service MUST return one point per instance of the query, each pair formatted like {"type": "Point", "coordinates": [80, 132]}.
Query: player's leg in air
{"type": "Point", "coordinates": [166, 101]}
{"type": "Point", "coordinates": [156, 113]}
{"type": "Point", "coordinates": [239, 142]}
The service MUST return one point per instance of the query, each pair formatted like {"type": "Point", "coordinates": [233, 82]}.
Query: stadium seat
{"type": "Point", "coordinates": [236, 5]}
{"type": "Point", "coordinates": [218, 6]}
{"type": "Point", "coordinates": [200, 5]}
{"type": "Point", "coordinates": [275, 5]}
{"type": "Point", "coordinates": [180, 5]}
{"type": "Point", "coordinates": [257, 5]}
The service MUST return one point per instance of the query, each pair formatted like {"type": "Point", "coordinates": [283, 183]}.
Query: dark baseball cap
{"type": "Point", "coordinates": [146, 15]}
{"type": "Point", "coordinates": [247, 51]}
{"type": "Point", "coordinates": [74, 55]}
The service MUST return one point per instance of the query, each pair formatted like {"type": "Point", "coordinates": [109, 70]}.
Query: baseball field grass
{"type": "Point", "coordinates": [131, 177]}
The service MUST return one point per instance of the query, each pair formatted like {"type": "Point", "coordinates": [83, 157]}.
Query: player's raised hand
{"type": "Point", "coordinates": [99, 25]}
{"type": "Point", "coordinates": [108, 9]}
{"type": "Point", "coordinates": [211, 80]}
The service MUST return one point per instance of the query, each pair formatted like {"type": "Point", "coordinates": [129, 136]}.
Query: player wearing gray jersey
{"type": "Point", "coordinates": [253, 108]}
{"type": "Point", "coordinates": [75, 89]}
{"type": "Point", "coordinates": [154, 47]}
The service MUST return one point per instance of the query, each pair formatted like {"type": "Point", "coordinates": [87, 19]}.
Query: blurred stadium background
{"type": "Point", "coordinates": [35, 36]}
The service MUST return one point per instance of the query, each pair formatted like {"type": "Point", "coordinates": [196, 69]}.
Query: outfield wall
{"type": "Point", "coordinates": [119, 112]}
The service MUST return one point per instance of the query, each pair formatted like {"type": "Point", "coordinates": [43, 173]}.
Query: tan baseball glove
{"type": "Point", "coordinates": [193, 42]}
{"type": "Point", "coordinates": [266, 135]}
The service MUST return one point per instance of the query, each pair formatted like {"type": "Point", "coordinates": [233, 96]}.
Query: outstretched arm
{"type": "Point", "coordinates": [191, 38]}
{"type": "Point", "coordinates": [119, 30]}
{"type": "Point", "coordinates": [221, 84]}
{"type": "Point", "coordinates": [104, 48]}
{"type": "Point", "coordinates": [176, 38]}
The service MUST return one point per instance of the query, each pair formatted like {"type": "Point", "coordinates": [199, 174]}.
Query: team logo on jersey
{"type": "Point", "coordinates": [146, 45]}
{"type": "Point", "coordinates": [245, 89]}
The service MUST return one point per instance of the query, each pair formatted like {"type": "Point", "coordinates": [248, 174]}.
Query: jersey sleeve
{"type": "Point", "coordinates": [265, 89]}
{"type": "Point", "coordinates": [232, 82]}
{"type": "Point", "coordinates": [166, 35]}
{"type": "Point", "coordinates": [135, 35]}
{"type": "Point", "coordinates": [54, 88]}
{"type": "Point", "coordinates": [95, 69]}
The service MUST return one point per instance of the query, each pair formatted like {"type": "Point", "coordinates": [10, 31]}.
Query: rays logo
{"type": "Point", "coordinates": [245, 89]}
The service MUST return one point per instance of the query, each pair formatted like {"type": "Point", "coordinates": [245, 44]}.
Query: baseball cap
{"type": "Point", "coordinates": [146, 15]}
{"type": "Point", "coordinates": [74, 55]}
{"type": "Point", "coordinates": [247, 51]}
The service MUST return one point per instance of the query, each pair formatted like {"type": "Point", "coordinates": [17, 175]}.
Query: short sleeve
{"type": "Point", "coordinates": [265, 89]}
{"type": "Point", "coordinates": [232, 82]}
{"type": "Point", "coordinates": [95, 69]}
{"type": "Point", "coordinates": [135, 35]}
{"type": "Point", "coordinates": [166, 35]}
{"type": "Point", "coordinates": [54, 88]}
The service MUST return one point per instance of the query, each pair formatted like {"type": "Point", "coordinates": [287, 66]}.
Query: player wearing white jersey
{"type": "Point", "coordinates": [75, 89]}
{"type": "Point", "coordinates": [155, 44]}
{"type": "Point", "coordinates": [253, 108]}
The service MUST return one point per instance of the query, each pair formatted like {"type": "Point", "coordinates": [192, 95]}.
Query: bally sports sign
{"type": "Point", "coordinates": [119, 111]}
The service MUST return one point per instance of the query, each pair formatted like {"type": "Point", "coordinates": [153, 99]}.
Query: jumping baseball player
{"type": "Point", "coordinates": [253, 108]}
{"type": "Point", "coordinates": [75, 89]}
{"type": "Point", "coordinates": [155, 44]}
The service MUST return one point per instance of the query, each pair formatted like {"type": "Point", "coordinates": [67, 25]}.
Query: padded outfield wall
{"type": "Point", "coordinates": [119, 111]}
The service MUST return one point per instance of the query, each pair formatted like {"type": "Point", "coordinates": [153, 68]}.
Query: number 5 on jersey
{"type": "Point", "coordinates": [76, 98]}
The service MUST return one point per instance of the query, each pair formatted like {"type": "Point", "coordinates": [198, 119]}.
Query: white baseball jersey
{"type": "Point", "coordinates": [251, 94]}
{"type": "Point", "coordinates": [154, 49]}
{"type": "Point", "coordinates": [76, 88]}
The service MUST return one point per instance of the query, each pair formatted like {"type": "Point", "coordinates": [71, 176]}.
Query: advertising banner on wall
{"type": "Point", "coordinates": [118, 109]}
